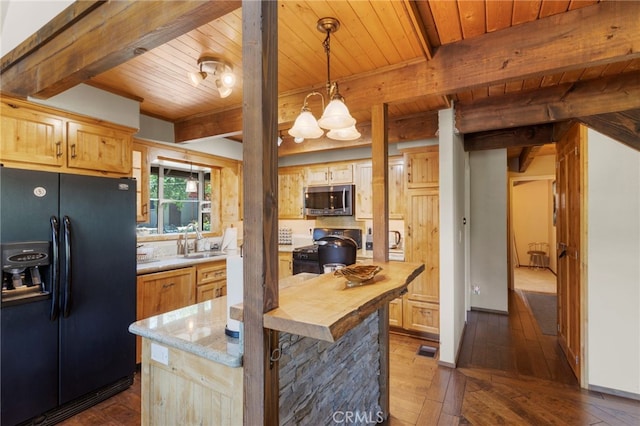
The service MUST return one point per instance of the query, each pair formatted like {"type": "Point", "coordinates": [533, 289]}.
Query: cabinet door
{"type": "Point", "coordinates": [317, 175]}
{"type": "Point", "coordinates": [341, 174]}
{"type": "Point", "coordinates": [364, 191]}
{"type": "Point", "coordinates": [422, 243]}
{"type": "Point", "coordinates": [140, 172]}
{"type": "Point", "coordinates": [211, 280]}
{"type": "Point", "coordinates": [290, 194]}
{"type": "Point", "coordinates": [230, 194]}
{"type": "Point", "coordinates": [422, 168]}
{"type": "Point", "coordinates": [98, 148]}
{"type": "Point", "coordinates": [30, 136]}
{"type": "Point", "coordinates": [421, 316]}
{"type": "Point", "coordinates": [285, 265]}
{"type": "Point", "coordinates": [395, 312]}
{"type": "Point", "coordinates": [165, 291]}
{"type": "Point", "coordinates": [396, 189]}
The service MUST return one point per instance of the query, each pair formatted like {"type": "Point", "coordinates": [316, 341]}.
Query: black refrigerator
{"type": "Point", "coordinates": [64, 322]}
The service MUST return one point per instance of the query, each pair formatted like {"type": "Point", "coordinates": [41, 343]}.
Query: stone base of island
{"type": "Point", "coordinates": [331, 354]}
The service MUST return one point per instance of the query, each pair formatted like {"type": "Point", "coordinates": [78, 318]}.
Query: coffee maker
{"type": "Point", "coordinates": [23, 266]}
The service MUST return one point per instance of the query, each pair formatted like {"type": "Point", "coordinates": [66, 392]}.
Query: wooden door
{"type": "Point", "coordinates": [568, 228]}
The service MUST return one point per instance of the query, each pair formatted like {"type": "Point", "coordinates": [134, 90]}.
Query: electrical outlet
{"type": "Point", "coordinates": [476, 289]}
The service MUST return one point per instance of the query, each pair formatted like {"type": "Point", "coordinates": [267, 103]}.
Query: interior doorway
{"type": "Point", "coordinates": [532, 209]}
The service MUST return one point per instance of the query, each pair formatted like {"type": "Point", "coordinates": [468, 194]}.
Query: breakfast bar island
{"type": "Point", "coordinates": [330, 355]}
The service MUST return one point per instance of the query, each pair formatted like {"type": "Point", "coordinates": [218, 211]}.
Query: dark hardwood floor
{"type": "Point", "coordinates": [508, 373]}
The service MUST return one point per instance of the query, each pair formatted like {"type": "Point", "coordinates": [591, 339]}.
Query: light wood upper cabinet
{"type": "Point", "coordinates": [98, 148]}
{"type": "Point", "coordinates": [364, 191]}
{"type": "Point", "coordinates": [335, 174]}
{"type": "Point", "coordinates": [39, 137]}
{"type": "Point", "coordinates": [140, 172]}
{"type": "Point", "coordinates": [31, 136]}
{"type": "Point", "coordinates": [422, 168]}
{"type": "Point", "coordinates": [290, 193]}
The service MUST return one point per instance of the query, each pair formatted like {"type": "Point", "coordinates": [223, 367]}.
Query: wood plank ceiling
{"type": "Point", "coordinates": [418, 56]}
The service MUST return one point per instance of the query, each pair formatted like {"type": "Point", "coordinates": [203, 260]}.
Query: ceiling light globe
{"type": "Point", "coordinates": [228, 79]}
{"type": "Point", "coordinates": [336, 116]}
{"type": "Point", "coordinates": [298, 140]}
{"type": "Point", "coordinates": [346, 134]}
{"type": "Point", "coordinates": [279, 141]}
{"type": "Point", "coordinates": [197, 77]}
{"type": "Point", "coordinates": [306, 127]}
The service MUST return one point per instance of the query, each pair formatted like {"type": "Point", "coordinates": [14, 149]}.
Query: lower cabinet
{"type": "Point", "coordinates": [395, 312]}
{"type": "Point", "coordinates": [162, 292]}
{"type": "Point", "coordinates": [211, 280]}
{"type": "Point", "coordinates": [285, 264]}
{"type": "Point", "coordinates": [421, 316]}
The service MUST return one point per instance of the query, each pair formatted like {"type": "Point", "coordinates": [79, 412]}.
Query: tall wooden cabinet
{"type": "Point", "coordinates": [419, 309]}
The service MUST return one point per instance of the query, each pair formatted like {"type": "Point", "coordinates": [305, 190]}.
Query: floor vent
{"type": "Point", "coordinates": [428, 351]}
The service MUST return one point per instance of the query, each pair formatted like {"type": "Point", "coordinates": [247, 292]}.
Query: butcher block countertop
{"type": "Point", "coordinates": [324, 308]}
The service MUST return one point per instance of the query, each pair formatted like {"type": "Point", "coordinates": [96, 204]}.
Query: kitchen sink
{"type": "Point", "coordinates": [203, 255]}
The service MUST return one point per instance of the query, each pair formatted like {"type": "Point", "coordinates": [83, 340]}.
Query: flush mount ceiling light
{"type": "Point", "coordinates": [336, 117]}
{"type": "Point", "coordinates": [219, 69]}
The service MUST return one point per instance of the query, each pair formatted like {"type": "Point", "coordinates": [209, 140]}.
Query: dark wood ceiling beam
{"type": "Point", "coordinates": [621, 126]}
{"type": "Point", "coordinates": [507, 138]}
{"type": "Point", "coordinates": [526, 157]}
{"type": "Point", "coordinates": [595, 35]}
{"type": "Point", "coordinates": [402, 129]}
{"type": "Point", "coordinates": [106, 37]}
{"type": "Point", "coordinates": [551, 104]}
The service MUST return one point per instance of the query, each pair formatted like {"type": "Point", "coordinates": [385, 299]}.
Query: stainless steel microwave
{"type": "Point", "coordinates": [335, 200]}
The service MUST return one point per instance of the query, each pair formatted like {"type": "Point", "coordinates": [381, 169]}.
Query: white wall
{"type": "Point", "coordinates": [488, 229]}
{"type": "Point", "coordinates": [613, 268]}
{"type": "Point", "coordinates": [453, 290]}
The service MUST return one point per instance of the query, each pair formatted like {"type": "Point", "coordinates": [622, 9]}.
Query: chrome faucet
{"type": "Point", "coordinates": [193, 225]}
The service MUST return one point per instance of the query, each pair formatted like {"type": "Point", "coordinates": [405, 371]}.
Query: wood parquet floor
{"type": "Point", "coordinates": [508, 373]}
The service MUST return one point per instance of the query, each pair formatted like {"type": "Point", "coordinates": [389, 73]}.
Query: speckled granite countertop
{"type": "Point", "coordinates": [198, 329]}
{"type": "Point", "coordinates": [176, 262]}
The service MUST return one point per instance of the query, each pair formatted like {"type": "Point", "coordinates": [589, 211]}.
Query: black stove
{"type": "Point", "coordinates": [305, 258]}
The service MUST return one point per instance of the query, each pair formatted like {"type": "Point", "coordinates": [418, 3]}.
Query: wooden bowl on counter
{"type": "Point", "coordinates": [358, 274]}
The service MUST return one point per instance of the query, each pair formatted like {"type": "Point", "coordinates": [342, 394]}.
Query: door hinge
{"type": "Point", "coordinates": [577, 360]}
{"type": "Point", "coordinates": [575, 151]}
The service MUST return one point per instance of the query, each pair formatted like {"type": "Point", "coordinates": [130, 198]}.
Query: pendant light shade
{"type": "Point", "coordinates": [336, 116]}
{"type": "Point", "coordinates": [306, 126]}
{"type": "Point", "coordinates": [346, 134]}
{"type": "Point", "coordinates": [192, 185]}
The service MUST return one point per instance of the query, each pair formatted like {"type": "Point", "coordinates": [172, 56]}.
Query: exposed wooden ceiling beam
{"type": "Point", "coordinates": [549, 45]}
{"type": "Point", "coordinates": [526, 157]}
{"type": "Point", "coordinates": [551, 104]}
{"type": "Point", "coordinates": [418, 27]}
{"type": "Point", "coordinates": [621, 126]}
{"type": "Point", "coordinates": [107, 36]}
{"type": "Point", "coordinates": [505, 138]}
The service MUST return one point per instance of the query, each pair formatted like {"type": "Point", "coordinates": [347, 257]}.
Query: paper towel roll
{"type": "Point", "coordinates": [234, 288]}
{"type": "Point", "coordinates": [229, 239]}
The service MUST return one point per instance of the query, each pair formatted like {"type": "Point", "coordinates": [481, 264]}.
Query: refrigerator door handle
{"type": "Point", "coordinates": [66, 308]}
{"type": "Point", "coordinates": [55, 265]}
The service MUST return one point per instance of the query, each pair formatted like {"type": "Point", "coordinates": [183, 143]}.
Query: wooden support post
{"type": "Point", "coordinates": [260, 158]}
{"type": "Point", "coordinates": [380, 165]}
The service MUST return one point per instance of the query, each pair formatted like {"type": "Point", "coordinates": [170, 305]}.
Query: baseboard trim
{"type": "Point", "coordinates": [614, 392]}
{"type": "Point", "coordinates": [490, 311]}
